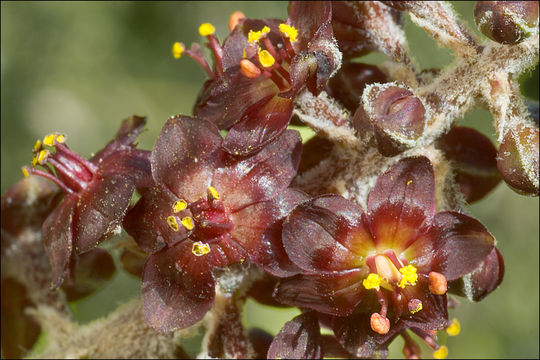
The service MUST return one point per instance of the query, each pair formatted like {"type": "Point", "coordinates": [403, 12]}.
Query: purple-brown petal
{"type": "Point", "coordinates": [260, 125]}
{"type": "Point", "coordinates": [100, 210]}
{"type": "Point", "coordinates": [401, 201]}
{"type": "Point", "coordinates": [300, 338]}
{"type": "Point", "coordinates": [260, 341]}
{"type": "Point", "coordinates": [93, 270]}
{"type": "Point", "coordinates": [58, 237]}
{"type": "Point", "coordinates": [257, 228]}
{"type": "Point", "coordinates": [456, 245]}
{"type": "Point", "coordinates": [482, 280]}
{"type": "Point", "coordinates": [185, 155]}
{"type": "Point", "coordinates": [473, 158]}
{"type": "Point", "coordinates": [335, 295]}
{"type": "Point", "coordinates": [244, 181]}
{"type": "Point", "coordinates": [311, 19]}
{"type": "Point", "coordinates": [434, 312]}
{"type": "Point", "coordinates": [177, 288]}
{"type": "Point", "coordinates": [326, 235]}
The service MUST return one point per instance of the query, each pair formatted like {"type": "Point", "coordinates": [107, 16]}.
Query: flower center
{"type": "Point", "coordinates": [71, 172]}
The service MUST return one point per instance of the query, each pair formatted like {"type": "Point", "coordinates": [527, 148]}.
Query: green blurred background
{"type": "Point", "coordinates": [81, 67]}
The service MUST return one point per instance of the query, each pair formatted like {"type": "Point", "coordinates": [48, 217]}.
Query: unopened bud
{"type": "Point", "coordinates": [235, 19]}
{"type": "Point", "coordinates": [517, 159]}
{"type": "Point", "coordinates": [437, 283]}
{"type": "Point", "coordinates": [507, 22]}
{"type": "Point", "coordinates": [380, 324]}
{"type": "Point", "coordinates": [397, 117]}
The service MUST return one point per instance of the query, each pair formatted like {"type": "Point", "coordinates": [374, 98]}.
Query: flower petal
{"type": "Point", "coordinates": [257, 228]}
{"type": "Point", "coordinates": [259, 125]}
{"type": "Point", "coordinates": [310, 18]}
{"type": "Point", "coordinates": [100, 210]}
{"type": "Point", "coordinates": [334, 295]}
{"type": "Point", "coordinates": [58, 237]}
{"type": "Point", "coordinates": [456, 245]}
{"type": "Point", "coordinates": [326, 235]}
{"type": "Point", "coordinates": [401, 201]}
{"type": "Point", "coordinates": [244, 181]}
{"type": "Point", "coordinates": [482, 280]}
{"type": "Point", "coordinates": [299, 338]}
{"type": "Point", "coordinates": [177, 288]}
{"type": "Point", "coordinates": [185, 155]}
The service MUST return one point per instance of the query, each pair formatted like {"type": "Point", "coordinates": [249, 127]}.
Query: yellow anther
{"type": "Point", "coordinates": [373, 281]}
{"type": "Point", "coordinates": [25, 172]}
{"type": "Point", "coordinates": [441, 353]}
{"type": "Point", "coordinates": [177, 50]}
{"type": "Point", "coordinates": [266, 59]}
{"type": "Point", "coordinates": [206, 29]}
{"type": "Point", "coordinates": [171, 220]}
{"type": "Point", "coordinates": [35, 160]}
{"type": "Point", "coordinates": [37, 146]}
{"type": "Point", "coordinates": [244, 54]}
{"type": "Point", "coordinates": [42, 156]}
{"type": "Point", "coordinates": [179, 206]}
{"type": "Point", "coordinates": [61, 139]}
{"type": "Point", "coordinates": [289, 31]}
{"type": "Point", "coordinates": [255, 36]}
{"type": "Point", "coordinates": [409, 182]}
{"type": "Point", "coordinates": [200, 248]}
{"type": "Point", "coordinates": [408, 276]}
{"type": "Point", "coordinates": [454, 328]}
{"type": "Point", "coordinates": [188, 223]}
{"type": "Point", "coordinates": [49, 139]}
{"type": "Point", "coordinates": [418, 308]}
{"type": "Point", "coordinates": [213, 192]}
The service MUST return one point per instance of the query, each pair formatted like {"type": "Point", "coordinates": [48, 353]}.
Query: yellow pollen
{"type": "Point", "coordinates": [49, 139]}
{"type": "Point", "coordinates": [61, 139]}
{"type": "Point", "coordinates": [188, 223]}
{"type": "Point", "coordinates": [42, 156]}
{"type": "Point", "coordinates": [255, 36]}
{"type": "Point", "coordinates": [409, 182]}
{"type": "Point", "coordinates": [177, 50]}
{"type": "Point", "coordinates": [408, 276]}
{"type": "Point", "coordinates": [266, 59]}
{"type": "Point", "coordinates": [212, 190]}
{"type": "Point", "coordinates": [373, 281]}
{"type": "Point", "coordinates": [35, 160]}
{"type": "Point", "coordinates": [441, 353]}
{"type": "Point", "coordinates": [454, 328]}
{"type": "Point", "coordinates": [37, 146]}
{"type": "Point", "coordinates": [25, 172]}
{"type": "Point", "coordinates": [171, 220]}
{"type": "Point", "coordinates": [418, 308]}
{"type": "Point", "coordinates": [289, 31]}
{"type": "Point", "coordinates": [244, 54]}
{"type": "Point", "coordinates": [200, 248]}
{"type": "Point", "coordinates": [206, 29]}
{"type": "Point", "coordinates": [179, 206]}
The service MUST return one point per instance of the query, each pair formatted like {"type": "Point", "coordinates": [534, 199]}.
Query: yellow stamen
{"type": "Point", "coordinates": [177, 50]}
{"type": "Point", "coordinates": [37, 146]}
{"type": "Point", "coordinates": [200, 248]}
{"type": "Point", "coordinates": [35, 160]}
{"type": "Point", "coordinates": [266, 59]}
{"type": "Point", "coordinates": [373, 281]}
{"type": "Point", "coordinates": [206, 29]}
{"type": "Point", "coordinates": [289, 31]}
{"type": "Point", "coordinates": [25, 172]}
{"type": "Point", "coordinates": [255, 36]}
{"type": "Point", "coordinates": [188, 223]}
{"type": "Point", "coordinates": [60, 139]}
{"type": "Point", "coordinates": [49, 139]}
{"type": "Point", "coordinates": [179, 206]}
{"type": "Point", "coordinates": [409, 182]}
{"type": "Point", "coordinates": [42, 156]}
{"type": "Point", "coordinates": [213, 192]}
{"type": "Point", "coordinates": [441, 353]}
{"type": "Point", "coordinates": [171, 220]}
{"type": "Point", "coordinates": [418, 308]}
{"type": "Point", "coordinates": [408, 276]}
{"type": "Point", "coordinates": [454, 328]}
{"type": "Point", "coordinates": [244, 54]}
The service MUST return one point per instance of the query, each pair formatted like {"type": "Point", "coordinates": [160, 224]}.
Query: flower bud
{"type": "Point", "coordinates": [517, 159]}
{"type": "Point", "coordinates": [351, 79]}
{"type": "Point", "coordinates": [396, 115]}
{"type": "Point", "coordinates": [507, 22]}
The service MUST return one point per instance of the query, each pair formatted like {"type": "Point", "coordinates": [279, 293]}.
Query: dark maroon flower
{"type": "Point", "coordinates": [391, 264]}
{"type": "Point", "coordinates": [97, 191]}
{"type": "Point", "coordinates": [473, 159]}
{"type": "Point", "coordinates": [261, 67]}
{"type": "Point", "coordinates": [208, 210]}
